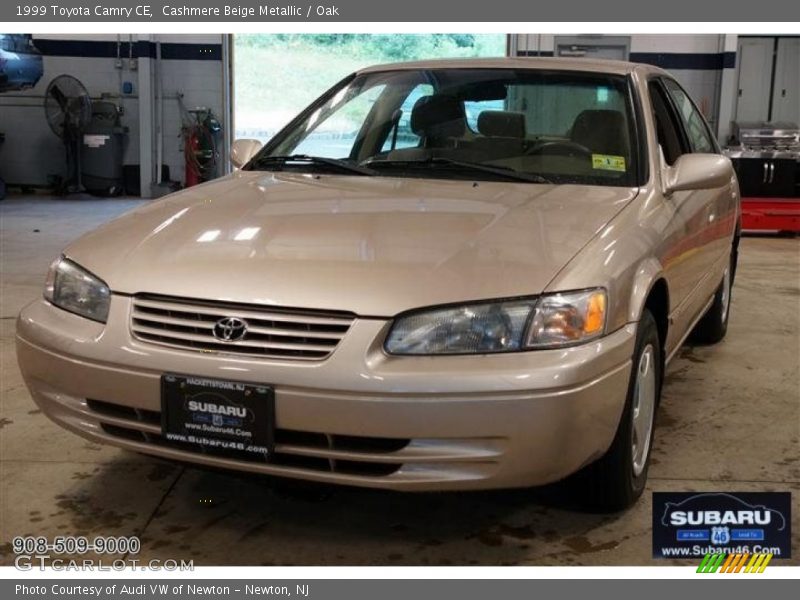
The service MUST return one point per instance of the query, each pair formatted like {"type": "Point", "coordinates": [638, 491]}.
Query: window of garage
{"type": "Point", "coordinates": [277, 75]}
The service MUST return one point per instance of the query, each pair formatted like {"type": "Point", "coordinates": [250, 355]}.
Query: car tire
{"type": "Point", "coordinates": [615, 481]}
{"type": "Point", "coordinates": [714, 324]}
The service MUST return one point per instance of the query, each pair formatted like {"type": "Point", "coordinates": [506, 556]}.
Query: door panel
{"type": "Point", "coordinates": [755, 74]}
{"type": "Point", "coordinates": [786, 95]}
{"type": "Point", "coordinates": [693, 245]}
{"type": "Point", "coordinates": [694, 254]}
{"type": "Point", "coordinates": [713, 242]}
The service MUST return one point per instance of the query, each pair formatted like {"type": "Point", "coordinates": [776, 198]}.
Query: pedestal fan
{"type": "Point", "coordinates": [68, 109]}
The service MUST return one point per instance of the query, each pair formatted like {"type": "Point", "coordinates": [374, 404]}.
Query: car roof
{"type": "Point", "coordinates": [615, 67]}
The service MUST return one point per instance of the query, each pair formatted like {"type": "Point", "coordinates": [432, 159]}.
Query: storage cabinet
{"type": "Point", "coordinates": [767, 177]}
{"type": "Point", "coordinates": [755, 74]}
{"type": "Point", "coordinates": [768, 79]}
{"type": "Point", "coordinates": [786, 93]}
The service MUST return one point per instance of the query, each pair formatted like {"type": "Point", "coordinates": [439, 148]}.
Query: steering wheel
{"type": "Point", "coordinates": [561, 148]}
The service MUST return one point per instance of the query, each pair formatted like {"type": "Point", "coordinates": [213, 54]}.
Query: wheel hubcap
{"type": "Point", "coordinates": [726, 293]}
{"type": "Point", "coordinates": [644, 403]}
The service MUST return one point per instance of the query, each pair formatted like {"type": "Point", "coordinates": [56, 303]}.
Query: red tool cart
{"type": "Point", "coordinates": [766, 157]}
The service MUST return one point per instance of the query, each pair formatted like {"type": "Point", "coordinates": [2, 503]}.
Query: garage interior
{"type": "Point", "coordinates": [730, 414]}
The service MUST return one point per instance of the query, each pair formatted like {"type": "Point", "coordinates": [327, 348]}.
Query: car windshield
{"type": "Point", "coordinates": [523, 125]}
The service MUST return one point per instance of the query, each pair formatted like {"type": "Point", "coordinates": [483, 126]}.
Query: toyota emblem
{"type": "Point", "coordinates": [230, 329]}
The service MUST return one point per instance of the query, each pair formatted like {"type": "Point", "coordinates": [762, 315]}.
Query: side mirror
{"type": "Point", "coordinates": [242, 151]}
{"type": "Point", "coordinates": [698, 172]}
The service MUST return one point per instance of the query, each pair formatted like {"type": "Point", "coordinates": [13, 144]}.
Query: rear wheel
{"type": "Point", "coordinates": [617, 480]}
{"type": "Point", "coordinates": [714, 324]}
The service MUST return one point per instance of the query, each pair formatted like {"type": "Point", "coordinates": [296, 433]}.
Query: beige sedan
{"type": "Point", "coordinates": [439, 276]}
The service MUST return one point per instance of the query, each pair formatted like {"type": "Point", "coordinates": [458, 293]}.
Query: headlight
{"type": "Point", "coordinates": [545, 322]}
{"type": "Point", "coordinates": [74, 289]}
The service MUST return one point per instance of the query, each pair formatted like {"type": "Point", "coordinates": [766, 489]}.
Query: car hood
{"type": "Point", "coordinates": [375, 246]}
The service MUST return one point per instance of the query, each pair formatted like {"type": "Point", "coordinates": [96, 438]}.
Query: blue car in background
{"type": "Point", "coordinates": [20, 62]}
{"type": "Point", "coordinates": [20, 68]}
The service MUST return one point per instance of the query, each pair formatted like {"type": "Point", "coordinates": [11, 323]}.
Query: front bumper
{"type": "Point", "coordinates": [360, 417]}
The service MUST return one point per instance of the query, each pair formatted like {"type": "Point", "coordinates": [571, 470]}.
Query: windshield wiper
{"type": "Point", "coordinates": [336, 163]}
{"type": "Point", "coordinates": [434, 161]}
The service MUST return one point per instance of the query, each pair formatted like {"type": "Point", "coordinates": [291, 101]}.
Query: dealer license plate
{"type": "Point", "coordinates": [216, 414]}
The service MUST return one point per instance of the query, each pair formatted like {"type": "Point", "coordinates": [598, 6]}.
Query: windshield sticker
{"type": "Point", "coordinates": [607, 162]}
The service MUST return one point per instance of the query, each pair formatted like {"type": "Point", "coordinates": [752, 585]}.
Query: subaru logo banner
{"type": "Point", "coordinates": [692, 524]}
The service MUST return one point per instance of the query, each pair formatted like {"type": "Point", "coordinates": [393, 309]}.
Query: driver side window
{"type": "Point", "coordinates": [693, 122]}
{"type": "Point", "coordinates": [667, 129]}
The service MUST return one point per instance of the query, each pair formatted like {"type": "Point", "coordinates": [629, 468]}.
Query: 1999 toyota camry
{"type": "Point", "coordinates": [442, 275]}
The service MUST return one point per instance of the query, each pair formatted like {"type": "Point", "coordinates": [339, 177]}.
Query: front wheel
{"type": "Point", "coordinates": [617, 480]}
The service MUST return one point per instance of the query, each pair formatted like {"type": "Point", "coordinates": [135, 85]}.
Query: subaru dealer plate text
{"type": "Point", "coordinates": [221, 415]}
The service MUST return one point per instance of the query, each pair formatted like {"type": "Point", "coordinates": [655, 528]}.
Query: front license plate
{"type": "Point", "coordinates": [216, 414]}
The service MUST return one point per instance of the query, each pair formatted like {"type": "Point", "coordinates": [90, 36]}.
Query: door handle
{"type": "Point", "coordinates": [766, 172]}
{"type": "Point", "coordinates": [771, 172]}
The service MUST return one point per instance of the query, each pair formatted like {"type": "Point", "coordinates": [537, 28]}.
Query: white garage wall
{"type": "Point", "coordinates": [703, 64]}
{"type": "Point", "coordinates": [31, 151]}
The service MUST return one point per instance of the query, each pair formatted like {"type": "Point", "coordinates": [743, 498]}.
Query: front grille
{"type": "Point", "coordinates": [294, 449]}
{"type": "Point", "coordinates": [124, 412]}
{"type": "Point", "coordinates": [270, 332]}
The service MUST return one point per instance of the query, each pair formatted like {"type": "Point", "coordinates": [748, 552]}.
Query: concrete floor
{"type": "Point", "coordinates": [729, 420]}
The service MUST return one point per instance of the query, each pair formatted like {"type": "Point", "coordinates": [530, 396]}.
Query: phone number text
{"type": "Point", "coordinates": [67, 544]}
